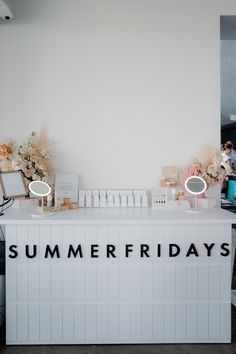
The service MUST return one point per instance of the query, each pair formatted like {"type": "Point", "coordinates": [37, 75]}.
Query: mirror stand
{"type": "Point", "coordinates": [195, 185]}
{"type": "Point", "coordinates": [195, 209]}
{"type": "Point", "coordinates": [40, 189]}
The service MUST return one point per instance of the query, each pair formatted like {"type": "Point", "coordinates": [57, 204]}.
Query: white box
{"type": "Point", "coordinates": [95, 193]}
{"type": "Point", "coordinates": [137, 201]}
{"type": "Point", "coordinates": [103, 203]}
{"type": "Point", "coordinates": [159, 200]}
{"type": "Point", "coordinates": [116, 193]}
{"type": "Point", "coordinates": [88, 201]}
{"type": "Point", "coordinates": [117, 201]}
{"type": "Point", "coordinates": [124, 201]}
{"type": "Point", "coordinates": [110, 201]}
{"type": "Point", "coordinates": [144, 200]}
{"type": "Point", "coordinates": [102, 193]}
{"type": "Point", "coordinates": [81, 198]}
{"type": "Point", "coordinates": [130, 201]}
{"type": "Point", "coordinates": [96, 203]}
{"type": "Point", "coordinates": [81, 193]}
{"type": "Point", "coordinates": [82, 202]}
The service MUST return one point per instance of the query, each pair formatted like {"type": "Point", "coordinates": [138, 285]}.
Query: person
{"type": "Point", "coordinates": [233, 153]}
{"type": "Point", "coordinates": [226, 161]}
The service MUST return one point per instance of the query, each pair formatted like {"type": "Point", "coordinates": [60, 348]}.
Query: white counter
{"type": "Point", "coordinates": [120, 215]}
{"type": "Point", "coordinates": [93, 276]}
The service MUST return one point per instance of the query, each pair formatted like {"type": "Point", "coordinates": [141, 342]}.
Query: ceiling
{"type": "Point", "coordinates": [228, 70]}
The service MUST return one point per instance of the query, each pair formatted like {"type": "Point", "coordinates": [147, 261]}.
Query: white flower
{"type": "Point", "coordinates": [22, 151]}
{"type": "Point", "coordinates": [35, 177]}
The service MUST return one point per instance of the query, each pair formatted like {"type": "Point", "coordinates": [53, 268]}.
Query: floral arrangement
{"type": "Point", "coordinates": [33, 157]}
{"type": "Point", "coordinates": [7, 155]}
{"type": "Point", "coordinates": [207, 166]}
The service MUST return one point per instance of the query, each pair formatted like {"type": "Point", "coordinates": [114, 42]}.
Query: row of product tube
{"type": "Point", "coordinates": [113, 198]}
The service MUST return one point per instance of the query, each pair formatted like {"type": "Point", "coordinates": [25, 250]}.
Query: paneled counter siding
{"type": "Point", "coordinates": [118, 276]}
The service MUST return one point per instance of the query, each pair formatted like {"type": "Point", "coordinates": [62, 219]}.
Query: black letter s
{"type": "Point", "coordinates": [12, 249]}
{"type": "Point", "coordinates": [223, 247]}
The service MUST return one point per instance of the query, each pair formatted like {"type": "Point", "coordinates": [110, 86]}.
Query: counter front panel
{"type": "Point", "coordinates": [118, 283]}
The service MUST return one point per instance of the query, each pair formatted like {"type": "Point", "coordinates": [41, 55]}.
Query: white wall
{"type": "Point", "coordinates": [125, 85]}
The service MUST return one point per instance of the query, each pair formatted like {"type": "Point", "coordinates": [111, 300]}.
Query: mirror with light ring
{"type": "Point", "coordinates": [195, 185]}
{"type": "Point", "coordinates": [39, 188]}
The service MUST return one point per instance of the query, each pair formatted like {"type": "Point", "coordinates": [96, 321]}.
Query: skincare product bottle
{"type": "Point", "coordinates": [49, 200]}
{"type": "Point", "coordinates": [168, 187]}
{"type": "Point", "coordinates": [57, 201]}
{"type": "Point", "coordinates": [174, 194]}
{"type": "Point", "coordinates": [163, 181]}
{"type": "Point", "coordinates": [181, 195]}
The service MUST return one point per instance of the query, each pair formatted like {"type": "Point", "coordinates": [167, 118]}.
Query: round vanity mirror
{"type": "Point", "coordinates": [39, 188]}
{"type": "Point", "coordinates": [195, 185]}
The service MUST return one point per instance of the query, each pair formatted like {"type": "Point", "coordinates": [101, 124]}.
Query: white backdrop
{"type": "Point", "coordinates": [125, 86]}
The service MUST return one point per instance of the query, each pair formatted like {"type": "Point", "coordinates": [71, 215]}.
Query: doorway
{"type": "Point", "coordinates": [228, 78]}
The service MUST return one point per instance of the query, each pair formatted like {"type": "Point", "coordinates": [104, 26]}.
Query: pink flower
{"type": "Point", "coordinates": [208, 168]}
{"type": "Point", "coordinates": [5, 150]}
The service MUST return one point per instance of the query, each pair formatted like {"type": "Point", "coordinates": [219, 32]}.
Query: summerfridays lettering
{"type": "Point", "coordinates": [144, 250]}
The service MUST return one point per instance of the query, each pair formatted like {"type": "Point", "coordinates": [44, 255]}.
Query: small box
{"type": "Point", "coordinates": [96, 203]}
{"type": "Point", "coordinates": [88, 201]}
{"type": "Point", "coordinates": [102, 193]}
{"type": "Point", "coordinates": [137, 201]}
{"type": "Point", "coordinates": [144, 201]}
{"type": "Point", "coordinates": [95, 193]}
{"type": "Point", "coordinates": [82, 198]}
{"type": "Point", "coordinates": [82, 193]}
{"type": "Point", "coordinates": [117, 201]}
{"type": "Point", "coordinates": [159, 200]}
{"type": "Point", "coordinates": [130, 201]}
{"type": "Point", "coordinates": [103, 203]}
{"type": "Point", "coordinates": [110, 201]}
{"type": "Point", "coordinates": [116, 193]}
{"type": "Point", "coordinates": [81, 202]}
{"type": "Point", "coordinates": [123, 201]}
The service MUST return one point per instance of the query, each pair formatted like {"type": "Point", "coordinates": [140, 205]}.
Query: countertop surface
{"type": "Point", "coordinates": [118, 216]}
